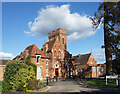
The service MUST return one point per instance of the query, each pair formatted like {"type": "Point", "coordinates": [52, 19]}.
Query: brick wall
{"type": "Point", "coordinates": [1, 71]}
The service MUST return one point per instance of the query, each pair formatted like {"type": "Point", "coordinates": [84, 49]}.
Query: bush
{"type": "Point", "coordinates": [17, 74]}
{"type": "Point", "coordinates": [6, 87]}
{"type": "Point", "coordinates": [32, 84]}
{"type": "Point", "coordinates": [27, 61]}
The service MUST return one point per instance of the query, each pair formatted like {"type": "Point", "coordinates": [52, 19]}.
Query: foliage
{"type": "Point", "coordinates": [17, 74]}
{"type": "Point", "coordinates": [27, 61]}
{"type": "Point", "coordinates": [6, 86]}
{"type": "Point", "coordinates": [109, 14]}
{"type": "Point", "coordinates": [0, 86]}
{"type": "Point", "coordinates": [116, 66]}
{"type": "Point", "coordinates": [32, 84]}
{"type": "Point", "coordinates": [23, 76]}
{"type": "Point", "coordinates": [12, 68]}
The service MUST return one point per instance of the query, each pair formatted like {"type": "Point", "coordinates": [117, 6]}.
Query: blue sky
{"type": "Point", "coordinates": [15, 19]}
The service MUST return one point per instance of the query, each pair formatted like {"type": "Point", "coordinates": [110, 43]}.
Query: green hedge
{"type": "Point", "coordinates": [16, 75]}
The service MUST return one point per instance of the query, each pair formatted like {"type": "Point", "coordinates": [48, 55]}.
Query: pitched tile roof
{"type": "Point", "coordinates": [33, 50]}
{"type": "Point", "coordinates": [81, 59]}
{"type": "Point", "coordinates": [50, 44]}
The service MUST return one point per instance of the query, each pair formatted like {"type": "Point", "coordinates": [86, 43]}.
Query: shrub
{"type": "Point", "coordinates": [6, 87]}
{"type": "Point", "coordinates": [27, 61]}
{"type": "Point", "coordinates": [17, 74]}
{"type": "Point", "coordinates": [32, 84]}
{"type": "Point", "coordinates": [22, 77]}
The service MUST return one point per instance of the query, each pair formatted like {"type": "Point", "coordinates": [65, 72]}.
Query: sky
{"type": "Point", "coordinates": [27, 23]}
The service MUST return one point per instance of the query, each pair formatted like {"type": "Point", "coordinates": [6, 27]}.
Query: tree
{"type": "Point", "coordinates": [28, 62]}
{"type": "Point", "coordinates": [17, 74]}
{"type": "Point", "coordinates": [108, 14]}
{"type": "Point", "coordinates": [22, 77]}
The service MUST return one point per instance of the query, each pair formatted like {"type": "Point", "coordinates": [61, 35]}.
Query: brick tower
{"type": "Point", "coordinates": [61, 34]}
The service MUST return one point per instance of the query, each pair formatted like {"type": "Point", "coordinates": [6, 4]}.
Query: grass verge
{"type": "Point", "coordinates": [102, 82]}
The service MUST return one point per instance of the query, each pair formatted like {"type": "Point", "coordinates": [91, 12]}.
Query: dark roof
{"type": "Point", "coordinates": [3, 62]}
{"type": "Point", "coordinates": [81, 59]}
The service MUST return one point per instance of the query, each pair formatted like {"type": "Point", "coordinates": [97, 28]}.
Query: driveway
{"type": "Point", "coordinates": [72, 86]}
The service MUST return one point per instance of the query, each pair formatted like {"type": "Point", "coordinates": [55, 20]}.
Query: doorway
{"type": "Point", "coordinates": [56, 72]}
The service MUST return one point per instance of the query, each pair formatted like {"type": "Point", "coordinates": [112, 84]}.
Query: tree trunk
{"type": "Point", "coordinates": [107, 42]}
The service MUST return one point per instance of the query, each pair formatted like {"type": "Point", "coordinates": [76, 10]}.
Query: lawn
{"type": "Point", "coordinates": [0, 86]}
{"type": "Point", "coordinates": [102, 82]}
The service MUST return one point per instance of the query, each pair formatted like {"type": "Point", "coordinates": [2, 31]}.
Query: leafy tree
{"type": "Point", "coordinates": [28, 62]}
{"type": "Point", "coordinates": [108, 14]}
{"type": "Point", "coordinates": [22, 77]}
{"type": "Point", "coordinates": [18, 73]}
{"type": "Point", "coordinates": [12, 68]}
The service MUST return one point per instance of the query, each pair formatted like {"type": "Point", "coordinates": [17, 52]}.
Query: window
{"type": "Point", "coordinates": [46, 49]}
{"type": "Point", "coordinates": [102, 69]}
{"type": "Point", "coordinates": [71, 71]}
{"type": "Point", "coordinates": [55, 53]}
{"type": "Point", "coordinates": [35, 51]}
{"type": "Point", "coordinates": [59, 53]}
{"type": "Point", "coordinates": [76, 72]}
{"type": "Point", "coordinates": [63, 56]}
{"type": "Point", "coordinates": [98, 69]}
{"type": "Point", "coordinates": [81, 70]}
{"type": "Point", "coordinates": [38, 59]}
{"type": "Point", "coordinates": [91, 63]}
{"type": "Point", "coordinates": [47, 62]}
{"type": "Point", "coordinates": [93, 69]}
{"type": "Point", "coordinates": [62, 40]}
{"type": "Point", "coordinates": [46, 72]}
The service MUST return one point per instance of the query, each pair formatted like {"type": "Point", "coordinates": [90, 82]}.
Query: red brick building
{"type": "Point", "coordinates": [3, 64]}
{"type": "Point", "coordinates": [54, 60]}
{"type": "Point", "coordinates": [86, 66]}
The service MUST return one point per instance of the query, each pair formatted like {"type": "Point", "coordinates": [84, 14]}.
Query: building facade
{"type": "Point", "coordinates": [86, 66]}
{"type": "Point", "coordinates": [3, 64]}
{"type": "Point", "coordinates": [53, 59]}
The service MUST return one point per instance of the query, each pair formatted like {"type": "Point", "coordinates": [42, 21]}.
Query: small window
{"type": "Point", "coordinates": [81, 70]}
{"type": "Point", "coordinates": [35, 51]}
{"type": "Point", "coordinates": [102, 69]}
{"type": "Point", "coordinates": [59, 53]}
{"type": "Point", "coordinates": [55, 53]}
{"type": "Point", "coordinates": [46, 72]}
{"type": "Point", "coordinates": [93, 69]}
{"type": "Point", "coordinates": [46, 62]}
{"type": "Point", "coordinates": [62, 40]}
{"type": "Point", "coordinates": [98, 69]}
{"type": "Point", "coordinates": [38, 59]}
{"type": "Point", "coordinates": [91, 63]}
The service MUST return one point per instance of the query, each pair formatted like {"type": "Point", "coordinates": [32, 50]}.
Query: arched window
{"type": "Point", "coordinates": [38, 57]}
{"type": "Point", "coordinates": [59, 53]}
{"type": "Point", "coordinates": [55, 53]}
{"type": "Point", "coordinates": [62, 40]}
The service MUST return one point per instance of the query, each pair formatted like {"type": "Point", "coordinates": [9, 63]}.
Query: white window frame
{"type": "Point", "coordinates": [47, 61]}
{"type": "Point", "coordinates": [39, 58]}
{"type": "Point", "coordinates": [47, 74]}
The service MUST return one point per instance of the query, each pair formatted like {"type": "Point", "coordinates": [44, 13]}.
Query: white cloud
{"type": "Point", "coordinates": [54, 17]}
{"type": "Point", "coordinates": [99, 55]}
{"type": "Point", "coordinates": [7, 56]}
